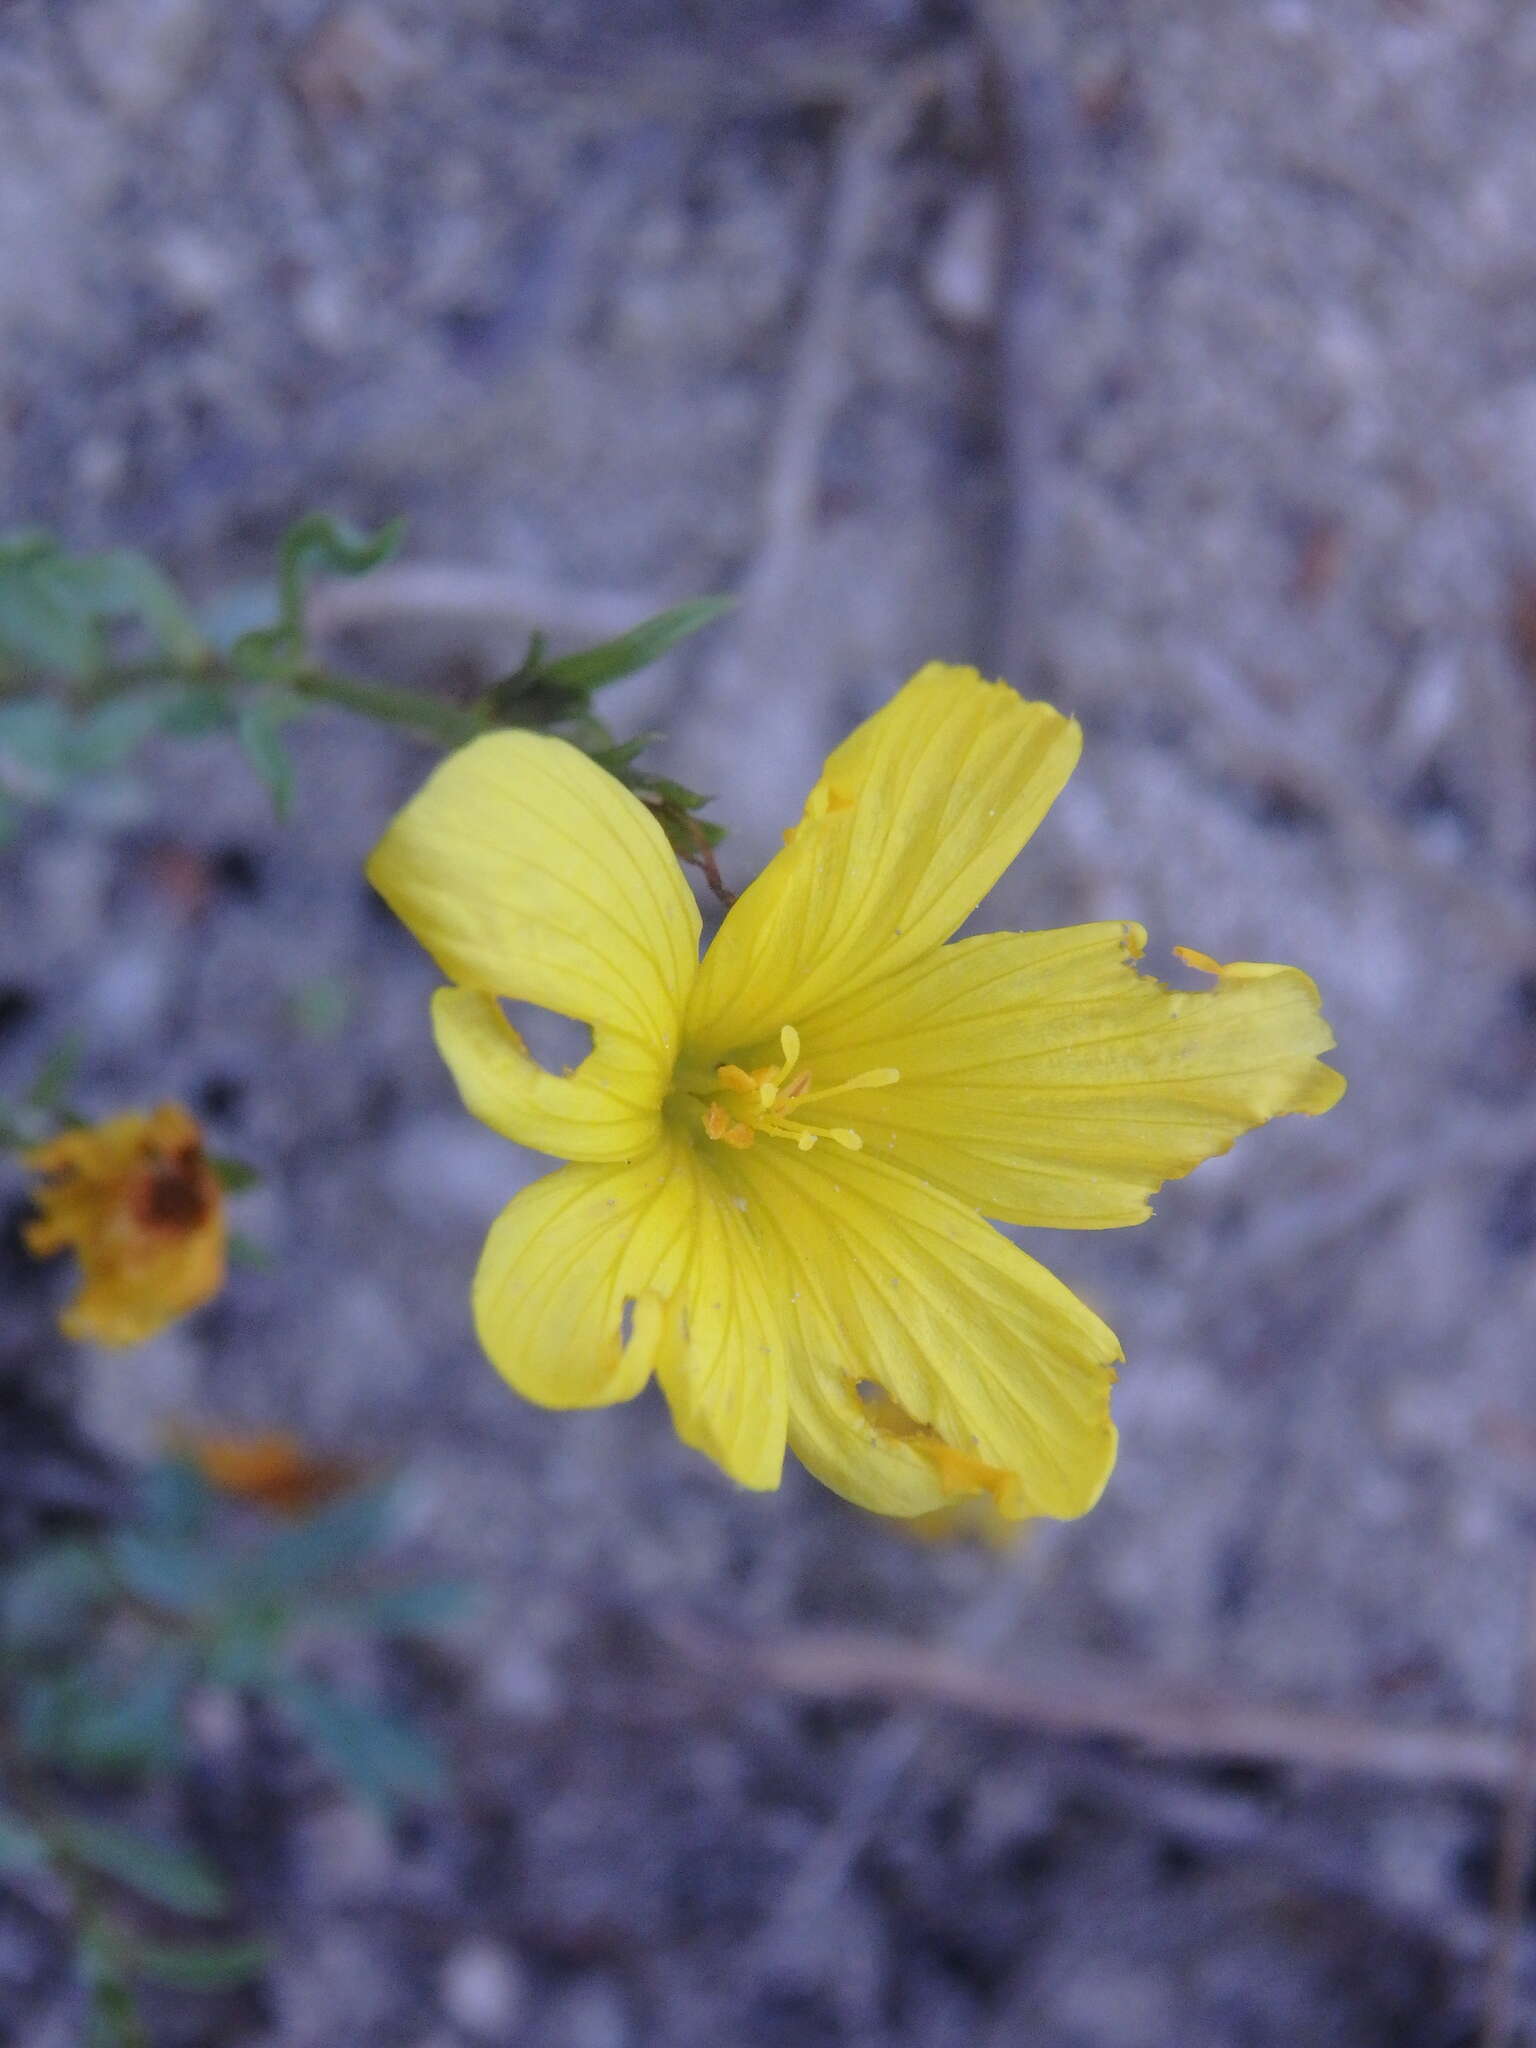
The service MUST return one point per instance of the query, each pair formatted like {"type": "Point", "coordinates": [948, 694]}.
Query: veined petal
{"type": "Point", "coordinates": [930, 1358]}
{"type": "Point", "coordinates": [597, 1276]}
{"type": "Point", "coordinates": [1047, 1082]}
{"type": "Point", "coordinates": [528, 872]}
{"type": "Point", "coordinates": [605, 1110]}
{"type": "Point", "coordinates": [916, 815]}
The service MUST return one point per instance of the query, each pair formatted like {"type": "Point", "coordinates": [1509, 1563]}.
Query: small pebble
{"type": "Point", "coordinates": [482, 1989]}
{"type": "Point", "coordinates": [963, 272]}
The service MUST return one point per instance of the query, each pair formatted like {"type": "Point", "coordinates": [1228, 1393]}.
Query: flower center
{"type": "Point", "coordinates": [772, 1101]}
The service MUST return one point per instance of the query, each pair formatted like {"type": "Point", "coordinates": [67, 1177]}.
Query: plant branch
{"type": "Point", "coordinates": [1087, 1701]}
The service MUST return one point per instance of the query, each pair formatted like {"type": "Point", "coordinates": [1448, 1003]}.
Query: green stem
{"type": "Point", "coordinates": [448, 724]}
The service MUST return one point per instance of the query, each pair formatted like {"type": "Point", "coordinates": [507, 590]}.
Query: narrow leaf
{"type": "Point", "coordinates": [21, 1847]}
{"type": "Point", "coordinates": [247, 1650]}
{"type": "Point", "coordinates": [43, 622]}
{"type": "Point", "coordinates": [233, 1175]}
{"type": "Point", "coordinates": [35, 736]}
{"type": "Point", "coordinates": [125, 584]}
{"type": "Point", "coordinates": [340, 1535]}
{"type": "Point", "coordinates": [56, 1075]}
{"type": "Point", "coordinates": [419, 1608]}
{"type": "Point", "coordinates": [131, 1725]}
{"type": "Point", "coordinates": [44, 1601]}
{"type": "Point", "coordinates": [382, 1758]}
{"type": "Point", "coordinates": [200, 1966]}
{"type": "Point", "coordinates": [53, 605]}
{"type": "Point", "coordinates": [258, 733]}
{"type": "Point", "coordinates": [174, 1498]}
{"type": "Point", "coordinates": [636, 649]}
{"type": "Point", "coordinates": [170, 1875]}
{"type": "Point", "coordinates": [245, 1252]}
{"type": "Point", "coordinates": [320, 544]}
{"type": "Point", "coordinates": [164, 1570]}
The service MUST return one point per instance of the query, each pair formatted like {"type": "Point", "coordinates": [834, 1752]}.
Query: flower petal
{"type": "Point", "coordinates": [597, 1276]}
{"type": "Point", "coordinates": [916, 815]}
{"type": "Point", "coordinates": [526, 871]}
{"type": "Point", "coordinates": [605, 1110]}
{"type": "Point", "coordinates": [137, 1200]}
{"type": "Point", "coordinates": [930, 1358]}
{"type": "Point", "coordinates": [1047, 1082]}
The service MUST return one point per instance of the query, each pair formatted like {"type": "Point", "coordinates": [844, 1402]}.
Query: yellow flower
{"type": "Point", "coordinates": [780, 1153]}
{"type": "Point", "coordinates": [139, 1202]}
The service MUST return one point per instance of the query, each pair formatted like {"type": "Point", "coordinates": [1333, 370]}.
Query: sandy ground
{"type": "Point", "coordinates": [1179, 363]}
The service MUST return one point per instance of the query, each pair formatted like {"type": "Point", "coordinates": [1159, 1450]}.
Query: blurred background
{"type": "Point", "coordinates": [1178, 363]}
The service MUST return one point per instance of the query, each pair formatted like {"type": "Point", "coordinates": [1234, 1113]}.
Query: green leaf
{"type": "Point", "coordinates": [623, 753]}
{"type": "Point", "coordinates": [200, 1965]}
{"type": "Point", "coordinates": [21, 1847]}
{"type": "Point", "coordinates": [315, 544]}
{"type": "Point", "coordinates": [112, 2018]}
{"type": "Point", "coordinates": [35, 735]}
{"type": "Point", "coordinates": [174, 1498]}
{"type": "Point", "coordinates": [192, 710]}
{"type": "Point", "coordinates": [233, 1175]}
{"type": "Point", "coordinates": [420, 1607]}
{"type": "Point", "coordinates": [244, 1251]}
{"type": "Point", "coordinates": [43, 622]}
{"type": "Point", "coordinates": [382, 1758]}
{"type": "Point", "coordinates": [47, 1599]}
{"type": "Point", "coordinates": [125, 584]}
{"type": "Point", "coordinates": [172, 1572]}
{"type": "Point", "coordinates": [320, 544]}
{"type": "Point", "coordinates": [98, 1721]}
{"type": "Point", "coordinates": [140, 1725]}
{"type": "Point", "coordinates": [258, 728]}
{"type": "Point", "coordinates": [45, 745]}
{"type": "Point", "coordinates": [106, 737]}
{"type": "Point", "coordinates": [248, 1645]}
{"type": "Point", "coordinates": [162, 1871]}
{"type": "Point", "coordinates": [676, 793]}
{"type": "Point", "coordinates": [56, 1075]}
{"type": "Point", "coordinates": [676, 812]}
{"type": "Point", "coordinates": [338, 1536]}
{"type": "Point", "coordinates": [636, 649]}
{"type": "Point", "coordinates": [54, 605]}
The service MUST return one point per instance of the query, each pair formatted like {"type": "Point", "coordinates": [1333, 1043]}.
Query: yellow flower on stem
{"type": "Point", "coordinates": [782, 1155]}
{"type": "Point", "coordinates": [138, 1202]}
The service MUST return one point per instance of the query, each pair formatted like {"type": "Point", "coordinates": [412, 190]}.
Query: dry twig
{"type": "Point", "coordinates": [816, 378]}
{"type": "Point", "coordinates": [876, 1776]}
{"type": "Point", "coordinates": [1101, 1701]}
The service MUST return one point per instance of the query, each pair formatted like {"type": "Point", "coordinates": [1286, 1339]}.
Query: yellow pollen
{"type": "Point", "coordinates": [776, 1095]}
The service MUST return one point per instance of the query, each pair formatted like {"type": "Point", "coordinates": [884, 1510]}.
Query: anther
{"type": "Point", "coordinates": [780, 1094]}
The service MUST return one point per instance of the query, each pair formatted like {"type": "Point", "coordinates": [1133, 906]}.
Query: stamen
{"type": "Point", "coordinates": [719, 1123]}
{"type": "Point", "coordinates": [789, 1041]}
{"type": "Point", "coordinates": [781, 1093]}
{"type": "Point", "coordinates": [877, 1077]}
